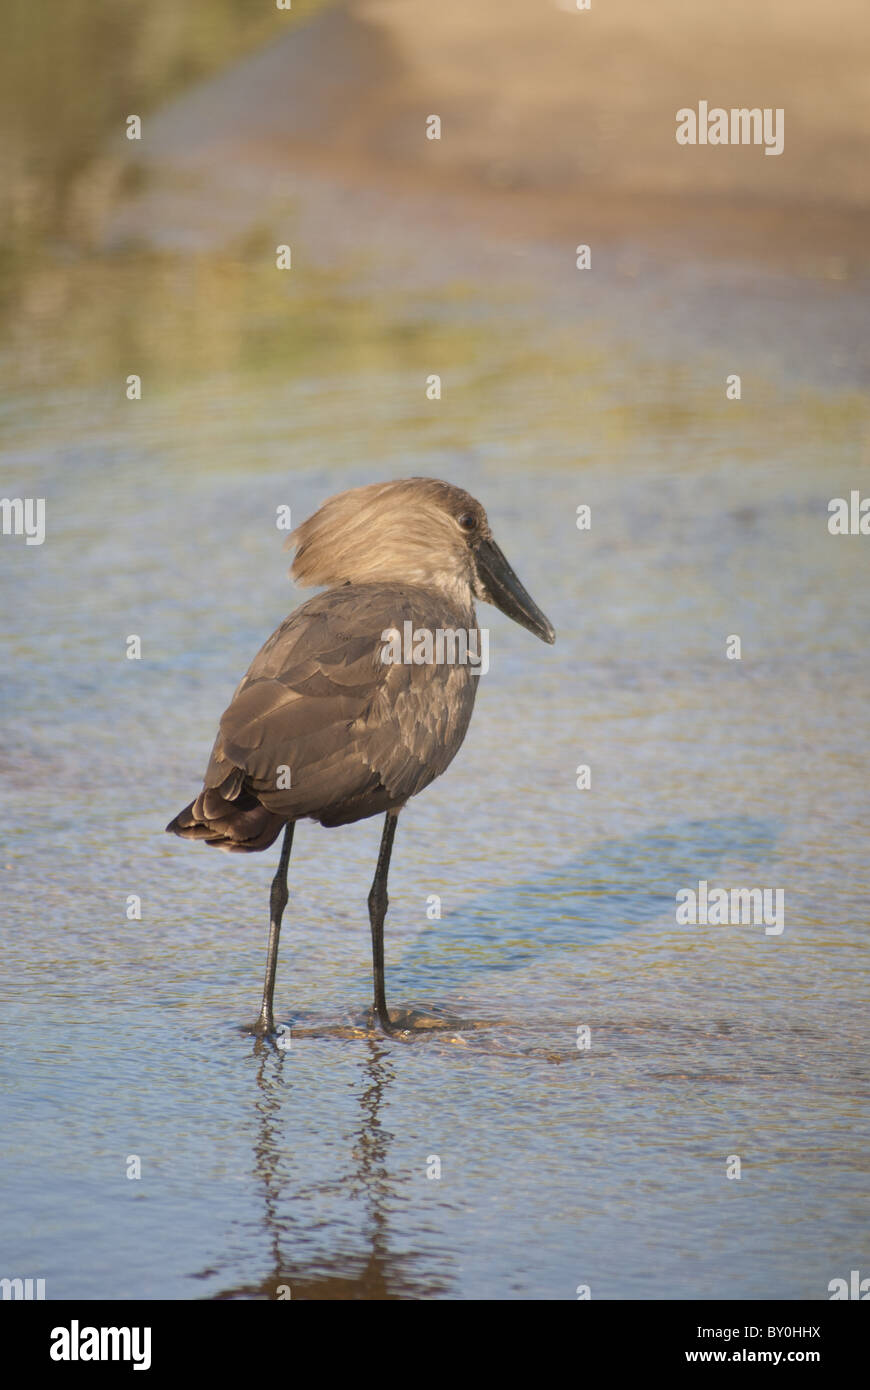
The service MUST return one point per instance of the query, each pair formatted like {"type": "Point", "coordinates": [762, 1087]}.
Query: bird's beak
{"type": "Point", "coordinates": [499, 585]}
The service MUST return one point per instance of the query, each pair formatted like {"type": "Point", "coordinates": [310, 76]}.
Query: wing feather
{"type": "Point", "coordinates": [358, 735]}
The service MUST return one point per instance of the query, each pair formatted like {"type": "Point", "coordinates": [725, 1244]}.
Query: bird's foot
{"type": "Point", "coordinates": [409, 1019]}
{"type": "Point", "coordinates": [265, 1025]}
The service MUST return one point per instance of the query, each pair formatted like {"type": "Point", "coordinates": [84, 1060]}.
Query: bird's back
{"type": "Point", "coordinates": [320, 709]}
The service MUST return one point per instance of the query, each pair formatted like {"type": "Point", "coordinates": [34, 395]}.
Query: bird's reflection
{"type": "Point", "coordinates": [373, 1273]}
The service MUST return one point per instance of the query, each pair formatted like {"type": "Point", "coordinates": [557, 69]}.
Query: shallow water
{"type": "Point", "coordinates": [307, 1166]}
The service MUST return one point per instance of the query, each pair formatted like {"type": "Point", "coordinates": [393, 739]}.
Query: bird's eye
{"type": "Point", "coordinates": [467, 521]}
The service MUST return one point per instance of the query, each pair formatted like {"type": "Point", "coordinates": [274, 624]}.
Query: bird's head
{"type": "Point", "coordinates": [412, 531]}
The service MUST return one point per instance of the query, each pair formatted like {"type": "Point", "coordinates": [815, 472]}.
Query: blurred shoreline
{"type": "Point", "coordinates": [575, 140]}
{"type": "Point", "coordinates": [558, 130]}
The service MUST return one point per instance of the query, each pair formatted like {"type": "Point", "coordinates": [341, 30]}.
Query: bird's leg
{"type": "Point", "coordinates": [277, 902]}
{"type": "Point", "coordinates": [378, 901]}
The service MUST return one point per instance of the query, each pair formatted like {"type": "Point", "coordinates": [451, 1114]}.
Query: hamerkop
{"type": "Point", "coordinates": [335, 718]}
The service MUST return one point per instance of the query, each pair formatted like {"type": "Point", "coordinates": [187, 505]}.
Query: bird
{"type": "Point", "coordinates": [339, 717]}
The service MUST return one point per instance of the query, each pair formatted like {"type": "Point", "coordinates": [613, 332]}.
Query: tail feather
{"type": "Point", "coordinates": [239, 824]}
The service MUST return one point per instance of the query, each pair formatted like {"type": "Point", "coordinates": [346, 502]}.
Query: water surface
{"type": "Point", "coordinates": [307, 1167]}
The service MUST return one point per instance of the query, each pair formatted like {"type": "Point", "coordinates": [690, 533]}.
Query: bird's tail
{"type": "Point", "coordinates": [238, 823]}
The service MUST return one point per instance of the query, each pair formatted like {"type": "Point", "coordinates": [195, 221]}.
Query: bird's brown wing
{"type": "Point", "coordinates": [319, 708]}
